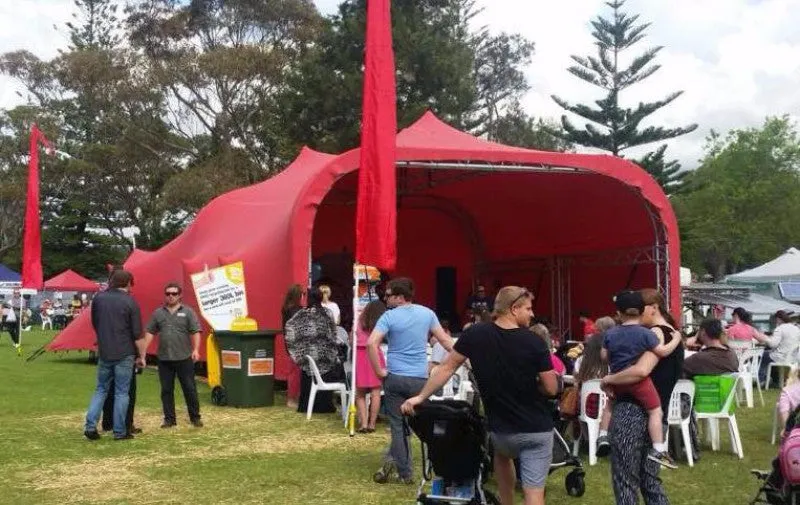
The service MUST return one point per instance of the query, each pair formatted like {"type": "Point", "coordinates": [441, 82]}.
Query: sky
{"type": "Point", "coordinates": [737, 61]}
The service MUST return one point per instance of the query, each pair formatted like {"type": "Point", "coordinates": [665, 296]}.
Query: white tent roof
{"type": "Point", "coordinates": [785, 267]}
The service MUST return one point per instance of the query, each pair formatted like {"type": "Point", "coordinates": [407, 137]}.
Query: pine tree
{"type": "Point", "coordinates": [667, 173]}
{"type": "Point", "coordinates": [612, 127]}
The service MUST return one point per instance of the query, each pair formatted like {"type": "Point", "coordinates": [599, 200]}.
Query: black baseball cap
{"type": "Point", "coordinates": [626, 300]}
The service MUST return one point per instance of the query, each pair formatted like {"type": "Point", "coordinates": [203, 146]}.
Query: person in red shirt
{"type": "Point", "coordinates": [588, 324]}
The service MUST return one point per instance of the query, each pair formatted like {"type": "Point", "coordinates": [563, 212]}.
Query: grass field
{"type": "Point", "coordinates": [266, 455]}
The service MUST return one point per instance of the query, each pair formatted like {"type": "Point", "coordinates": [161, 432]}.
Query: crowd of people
{"type": "Point", "coordinates": [16, 314]}
{"type": "Point", "coordinates": [639, 355]}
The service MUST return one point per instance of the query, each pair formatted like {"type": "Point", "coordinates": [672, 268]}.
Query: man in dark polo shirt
{"type": "Point", "coordinates": [117, 321]}
{"type": "Point", "coordinates": [178, 348]}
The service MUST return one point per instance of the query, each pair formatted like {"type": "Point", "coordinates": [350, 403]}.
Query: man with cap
{"type": "Point", "coordinates": [784, 343]}
{"type": "Point", "coordinates": [623, 345]}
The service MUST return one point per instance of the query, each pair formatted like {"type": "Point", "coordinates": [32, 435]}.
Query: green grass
{"type": "Point", "coordinates": [266, 455]}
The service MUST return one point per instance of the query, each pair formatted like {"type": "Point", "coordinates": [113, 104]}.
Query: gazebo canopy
{"type": "Point", "coordinates": [69, 280]}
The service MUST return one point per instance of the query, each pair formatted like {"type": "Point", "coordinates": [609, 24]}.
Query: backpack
{"type": "Point", "coordinates": [789, 457]}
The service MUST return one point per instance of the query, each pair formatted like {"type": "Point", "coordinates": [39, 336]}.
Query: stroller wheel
{"type": "Point", "coordinates": [491, 498]}
{"type": "Point", "coordinates": [575, 483]}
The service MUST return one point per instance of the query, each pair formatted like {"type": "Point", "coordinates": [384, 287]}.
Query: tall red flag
{"type": "Point", "coordinates": [32, 276]}
{"type": "Point", "coordinates": [376, 212]}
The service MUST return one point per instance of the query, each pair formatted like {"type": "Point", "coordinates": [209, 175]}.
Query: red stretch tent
{"type": "Point", "coordinates": [575, 228]}
{"type": "Point", "coordinates": [69, 280]}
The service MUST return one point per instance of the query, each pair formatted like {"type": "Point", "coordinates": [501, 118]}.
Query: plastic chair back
{"type": "Point", "coordinates": [588, 388]}
{"type": "Point", "coordinates": [682, 387]}
{"type": "Point", "coordinates": [317, 377]}
{"type": "Point", "coordinates": [715, 394]}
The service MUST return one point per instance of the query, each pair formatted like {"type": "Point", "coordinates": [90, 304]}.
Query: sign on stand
{"type": "Point", "coordinates": [221, 295]}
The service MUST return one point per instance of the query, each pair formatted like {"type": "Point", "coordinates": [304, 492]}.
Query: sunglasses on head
{"type": "Point", "coordinates": [524, 293]}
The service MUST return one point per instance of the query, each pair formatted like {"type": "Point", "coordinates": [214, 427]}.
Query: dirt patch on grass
{"type": "Point", "coordinates": [229, 434]}
{"type": "Point", "coordinates": [97, 481]}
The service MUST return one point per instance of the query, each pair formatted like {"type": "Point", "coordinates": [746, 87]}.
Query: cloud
{"type": "Point", "coordinates": [737, 61]}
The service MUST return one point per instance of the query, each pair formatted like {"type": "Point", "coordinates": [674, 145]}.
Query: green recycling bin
{"type": "Point", "coordinates": [247, 360]}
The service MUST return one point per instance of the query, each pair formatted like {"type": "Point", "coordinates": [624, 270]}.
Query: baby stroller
{"type": "Point", "coordinates": [781, 486]}
{"type": "Point", "coordinates": [575, 481]}
{"type": "Point", "coordinates": [455, 449]}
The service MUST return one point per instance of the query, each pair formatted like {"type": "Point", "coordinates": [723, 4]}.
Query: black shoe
{"type": "Point", "coordinates": [136, 431]}
{"type": "Point", "coordinates": [168, 424]}
{"type": "Point", "coordinates": [127, 436]}
{"type": "Point", "coordinates": [197, 423]}
{"type": "Point", "coordinates": [91, 435]}
{"type": "Point", "coordinates": [107, 428]}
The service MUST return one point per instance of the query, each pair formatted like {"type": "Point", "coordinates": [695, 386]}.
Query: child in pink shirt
{"type": "Point", "coordinates": [789, 398]}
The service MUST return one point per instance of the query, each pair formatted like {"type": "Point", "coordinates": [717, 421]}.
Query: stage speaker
{"type": "Point", "coordinates": [446, 295]}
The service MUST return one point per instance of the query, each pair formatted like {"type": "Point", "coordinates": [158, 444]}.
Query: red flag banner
{"type": "Point", "coordinates": [376, 211]}
{"type": "Point", "coordinates": [32, 276]}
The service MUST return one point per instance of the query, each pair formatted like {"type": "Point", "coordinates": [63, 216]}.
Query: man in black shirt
{"type": "Point", "coordinates": [479, 302]}
{"type": "Point", "coordinates": [515, 376]}
{"type": "Point", "coordinates": [117, 321]}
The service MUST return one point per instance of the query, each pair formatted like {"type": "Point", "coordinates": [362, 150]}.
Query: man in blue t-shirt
{"type": "Point", "coordinates": [406, 328]}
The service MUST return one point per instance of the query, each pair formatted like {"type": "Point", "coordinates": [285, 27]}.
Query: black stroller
{"type": "Point", "coordinates": [455, 446]}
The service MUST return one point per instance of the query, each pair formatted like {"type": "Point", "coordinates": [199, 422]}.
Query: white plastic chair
{"type": "Point", "coordinates": [774, 424]}
{"type": "Point", "coordinates": [749, 364]}
{"type": "Point", "coordinates": [458, 387]}
{"type": "Point", "coordinates": [46, 320]}
{"type": "Point", "coordinates": [592, 424]}
{"type": "Point", "coordinates": [782, 367]}
{"type": "Point", "coordinates": [725, 413]}
{"type": "Point", "coordinates": [675, 415]}
{"type": "Point", "coordinates": [740, 346]}
{"type": "Point", "coordinates": [317, 384]}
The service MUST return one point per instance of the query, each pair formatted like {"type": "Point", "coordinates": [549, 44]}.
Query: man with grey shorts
{"type": "Point", "coordinates": [515, 376]}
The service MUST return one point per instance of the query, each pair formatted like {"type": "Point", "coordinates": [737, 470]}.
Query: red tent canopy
{"type": "Point", "coordinates": [69, 280]}
{"type": "Point", "coordinates": [575, 228]}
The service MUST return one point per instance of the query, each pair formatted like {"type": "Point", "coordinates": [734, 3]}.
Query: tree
{"type": "Point", "coordinates": [104, 112]}
{"type": "Point", "coordinates": [466, 77]}
{"type": "Point", "coordinates": [741, 206]}
{"type": "Point", "coordinates": [12, 189]}
{"type": "Point", "coordinates": [667, 173]}
{"type": "Point", "coordinates": [222, 63]}
{"type": "Point", "coordinates": [516, 128]}
{"type": "Point", "coordinates": [612, 127]}
{"type": "Point", "coordinates": [499, 77]}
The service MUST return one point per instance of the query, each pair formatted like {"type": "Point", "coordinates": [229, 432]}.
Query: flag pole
{"type": "Point", "coordinates": [351, 409]}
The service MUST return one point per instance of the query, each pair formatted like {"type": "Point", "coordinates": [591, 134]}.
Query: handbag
{"type": "Point", "coordinates": [568, 403]}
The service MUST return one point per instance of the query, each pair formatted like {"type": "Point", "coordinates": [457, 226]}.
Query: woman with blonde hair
{"type": "Point", "coordinates": [333, 307]}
